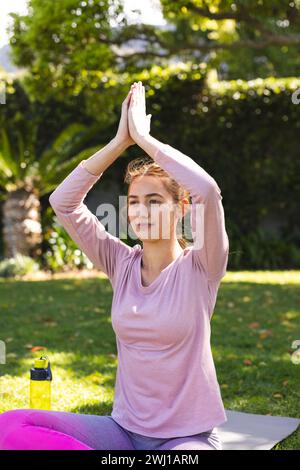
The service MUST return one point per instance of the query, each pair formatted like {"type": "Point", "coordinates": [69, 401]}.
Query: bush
{"type": "Point", "coordinates": [244, 134]}
{"type": "Point", "coordinates": [18, 266]}
{"type": "Point", "coordinates": [62, 253]}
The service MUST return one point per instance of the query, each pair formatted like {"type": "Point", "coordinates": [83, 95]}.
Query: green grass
{"type": "Point", "coordinates": [256, 319]}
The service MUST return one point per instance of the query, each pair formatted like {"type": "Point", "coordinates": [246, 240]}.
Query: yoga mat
{"type": "Point", "coordinates": [247, 431]}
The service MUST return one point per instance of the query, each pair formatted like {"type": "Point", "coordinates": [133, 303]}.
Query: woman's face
{"type": "Point", "coordinates": [151, 209]}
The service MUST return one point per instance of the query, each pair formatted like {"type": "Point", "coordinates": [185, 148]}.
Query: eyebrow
{"type": "Point", "coordinates": [147, 195]}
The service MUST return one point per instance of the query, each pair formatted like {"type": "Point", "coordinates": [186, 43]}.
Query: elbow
{"type": "Point", "coordinates": [51, 200]}
{"type": "Point", "coordinates": [60, 203]}
{"type": "Point", "coordinates": [214, 186]}
{"type": "Point", "coordinates": [54, 201]}
{"type": "Point", "coordinates": [213, 190]}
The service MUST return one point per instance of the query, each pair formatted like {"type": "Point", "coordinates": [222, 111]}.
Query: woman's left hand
{"type": "Point", "coordinates": [122, 135]}
{"type": "Point", "coordinates": [138, 121]}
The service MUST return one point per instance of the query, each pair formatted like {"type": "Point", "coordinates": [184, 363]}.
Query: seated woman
{"type": "Point", "coordinates": [166, 394]}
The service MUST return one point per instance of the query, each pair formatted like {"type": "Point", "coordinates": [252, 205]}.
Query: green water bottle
{"type": "Point", "coordinates": [40, 384]}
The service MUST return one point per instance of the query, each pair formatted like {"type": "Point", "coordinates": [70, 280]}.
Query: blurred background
{"type": "Point", "coordinates": [219, 78]}
{"type": "Point", "coordinates": [222, 83]}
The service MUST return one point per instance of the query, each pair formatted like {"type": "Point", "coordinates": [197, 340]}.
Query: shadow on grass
{"type": "Point", "coordinates": [253, 328]}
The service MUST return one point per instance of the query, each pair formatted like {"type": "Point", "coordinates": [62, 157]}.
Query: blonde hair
{"type": "Point", "coordinates": [146, 166]}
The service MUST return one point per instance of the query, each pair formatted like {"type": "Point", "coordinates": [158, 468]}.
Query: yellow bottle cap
{"type": "Point", "coordinates": [40, 363]}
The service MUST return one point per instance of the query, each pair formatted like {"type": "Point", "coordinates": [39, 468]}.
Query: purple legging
{"type": "Point", "coordinates": [30, 429]}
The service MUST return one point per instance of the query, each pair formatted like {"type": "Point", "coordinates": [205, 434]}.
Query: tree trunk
{"type": "Point", "coordinates": [22, 231]}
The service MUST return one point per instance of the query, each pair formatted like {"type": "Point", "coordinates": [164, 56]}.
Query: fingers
{"type": "Point", "coordinates": [138, 94]}
{"type": "Point", "coordinates": [142, 94]}
{"type": "Point", "coordinates": [126, 100]}
{"type": "Point", "coordinates": [128, 96]}
{"type": "Point", "coordinates": [133, 98]}
{"type": "Point", "coordinates": [130, 92]}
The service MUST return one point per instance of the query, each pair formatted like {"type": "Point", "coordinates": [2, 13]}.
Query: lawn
{"type": "Point", "coordinates": [255, 322]}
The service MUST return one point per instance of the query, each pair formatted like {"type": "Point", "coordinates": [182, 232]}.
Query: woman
{"type": "Point", "coordinates": [166, 394]}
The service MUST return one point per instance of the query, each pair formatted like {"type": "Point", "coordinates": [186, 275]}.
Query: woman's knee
{"type": "Point", "coordinates": [186, 444]}
{"type": "Point", "coordinates": [19, 431]}
{"type": "Point", "coordinates": [10, 421]}
{"type": "Point", "coordinates": [13, 417]}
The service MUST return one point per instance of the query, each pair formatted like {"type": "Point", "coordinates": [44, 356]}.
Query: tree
{"type": "Point", "coordinates": [26, 176]}
{"type": "Point", "coordinates": [59, 41]}
{"type": "Point", "coordinates": [70, 44]}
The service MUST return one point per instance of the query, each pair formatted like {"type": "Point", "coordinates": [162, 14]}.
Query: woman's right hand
{"type": "Point", "coordinates": [123, 136]}
{"type": "Point", "coordinates": [138, 122]}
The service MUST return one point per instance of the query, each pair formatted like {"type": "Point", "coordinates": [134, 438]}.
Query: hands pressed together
{"type": "Point", "coordinates": [134, 123]}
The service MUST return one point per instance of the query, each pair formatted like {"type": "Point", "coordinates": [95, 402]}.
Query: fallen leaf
{"type": "Point", "coordinates": [254, 325]}
{"type": "Point", "coordinates": [248, 362]}
{"type": "Point", "coordinates": [38, 348]}
{"type": "Point", "coordinates": [265, 334]}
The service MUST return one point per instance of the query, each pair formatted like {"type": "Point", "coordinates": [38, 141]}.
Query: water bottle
{"type": "Point", "coordinates": [40, 384]}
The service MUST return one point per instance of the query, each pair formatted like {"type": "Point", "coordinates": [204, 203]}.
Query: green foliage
{"type": "Point", "coordinates": [61, 42]}
{"type": "Point", "coordinates": [60, 251]}
{"type": "Point", "coordinates": [242, 132]}
{"type": "Point", "coordinates": [19, 159]}
{"type": "Point", "coordinates": [59, 38]}
{"type": "Point", "coordinates": [18, 266]}
{"type": "Point", "coordinates": [244, 135]}
{"type": "Point", "coordinates": [262, 249]}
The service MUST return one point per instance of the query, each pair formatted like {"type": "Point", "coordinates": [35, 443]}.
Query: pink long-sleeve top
{"type": "Point", "coordinates": [166, 383]}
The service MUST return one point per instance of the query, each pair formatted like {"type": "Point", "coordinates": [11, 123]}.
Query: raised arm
{"type": "Point", "coordinates": [103, 249]}
{"type": "Point", "coordinates": [211, 244]}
